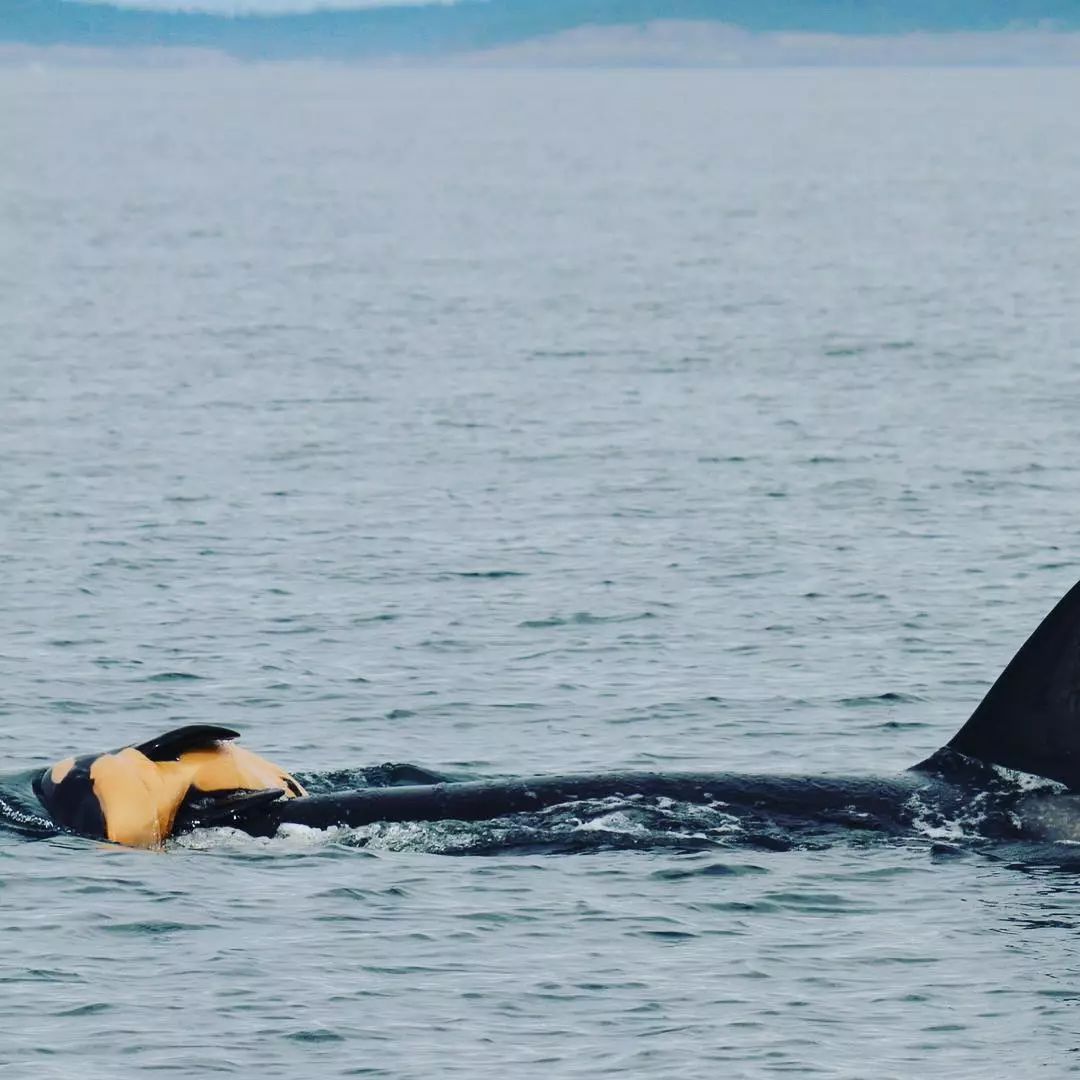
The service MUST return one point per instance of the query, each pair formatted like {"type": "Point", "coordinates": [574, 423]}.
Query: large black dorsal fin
{"type": "Point", "coordinates": [1030, 719]}
{"type": "Point", "coordinates": [172, 744]}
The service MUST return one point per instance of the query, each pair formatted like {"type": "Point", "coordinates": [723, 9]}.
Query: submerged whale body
{"type": "Point", "coordinates": [1028, 723]}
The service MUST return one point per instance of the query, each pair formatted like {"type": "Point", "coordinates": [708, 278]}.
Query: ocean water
{"type": "Point", "coordinates": [518, 422]}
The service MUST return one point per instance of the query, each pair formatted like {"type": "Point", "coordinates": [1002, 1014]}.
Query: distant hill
{"type": "Point", "coordinates": [473, 25]}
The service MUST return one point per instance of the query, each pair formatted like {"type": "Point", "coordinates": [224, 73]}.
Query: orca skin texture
{"type": "Point", "coordinates": [861, 801]}
{"type": "Point", "coordinates": [1028, 722]}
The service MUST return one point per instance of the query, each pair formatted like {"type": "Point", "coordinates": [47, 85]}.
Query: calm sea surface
{"type": "Point", "coordinates": [523, 422]}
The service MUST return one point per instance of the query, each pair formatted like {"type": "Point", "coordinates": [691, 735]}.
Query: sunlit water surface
{"type": "Point", "coordinates": [525, 422]}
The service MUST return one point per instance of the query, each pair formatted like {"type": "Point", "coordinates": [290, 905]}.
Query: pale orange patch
{"type": "Point", "coordinates": [230, 766]}
{"type": "Point", "coordinates": [61, 769]}
{"type": "Point", "coordinates": [138, 799]}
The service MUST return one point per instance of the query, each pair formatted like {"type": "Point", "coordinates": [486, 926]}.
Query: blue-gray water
{"type": "Point", "coordinates": [518, 422]}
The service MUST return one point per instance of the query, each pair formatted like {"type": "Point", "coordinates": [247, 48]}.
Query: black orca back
{"type": "Point", "coordinates": [71, 801]}
{"type": "Point", "coordinates": [1030, 719]}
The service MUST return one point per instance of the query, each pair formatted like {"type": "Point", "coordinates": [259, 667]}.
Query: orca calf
{"type": "Point", "coordinates": [141, 795]}
{"type": "Point", "coordinates": [1028, 723]}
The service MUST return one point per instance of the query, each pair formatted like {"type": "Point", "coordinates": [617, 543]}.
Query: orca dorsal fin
{"type": "Point", "coordinates": [171, 745]}
{"type": "Point", "coordinates": [1030, 718]}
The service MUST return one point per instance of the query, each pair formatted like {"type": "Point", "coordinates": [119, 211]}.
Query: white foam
{"type": "Point", "coordinates": [930, 824]}
{"type": "Point", "coordinates": [21, 817]}
{"type": "Point", "coordinates": [632, 817]}
{"type": "Point", "coordinates": [615, 822]}
{"type": "Point", "coordinates": [1028, 782]}
{"type": "Point", "coordinates": [289, 838]}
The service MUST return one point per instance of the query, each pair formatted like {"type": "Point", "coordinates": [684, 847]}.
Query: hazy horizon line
{"type": "Point", "coordinates": [656, 44]}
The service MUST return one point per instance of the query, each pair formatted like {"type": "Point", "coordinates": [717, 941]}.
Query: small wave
{"type": "Point", "coordinates": [711, 869]}
{"type": "Point", "coordinates": [147, 928]}
{"type": "Point", "coordinates": [20, 811]}
{"type": "Point", "coordinates": [890, 697]}
{"type": "Point", "coordinates": [493, 575]}
{"type": "Point", "coordinates": [11, 815]}
{"type": "Point", "coordinates": [90, 1009]}
{"type": "Point", "coordinates": [314, 1035]}
{"type": "Point", "coordinates": [582, 618]}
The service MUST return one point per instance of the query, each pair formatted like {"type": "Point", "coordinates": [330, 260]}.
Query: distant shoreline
{"type": "Point", "coordinates": [560, 33]}
{"type": "Point", "coordinates": [658, 44]}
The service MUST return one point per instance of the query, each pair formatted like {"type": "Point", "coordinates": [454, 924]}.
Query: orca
{"type": "Point", "coordinates": [141, 795]}
{"type": "Point", "coordinates": [1027, 726]}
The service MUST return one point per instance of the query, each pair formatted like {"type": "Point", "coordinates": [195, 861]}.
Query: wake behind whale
{"type": "Point", "coordinates": [1002, 784]}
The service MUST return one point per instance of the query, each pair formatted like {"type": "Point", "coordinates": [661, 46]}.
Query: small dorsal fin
{"type": "Point", "coordinates": [1030, 719]}
{"type": "Point", "coordinates": [172, 744]}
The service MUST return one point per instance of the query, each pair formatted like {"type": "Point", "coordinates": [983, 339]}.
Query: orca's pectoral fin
{"type": "Point", "coordinates": [171, 745]}
{"type": "Point", "coordinates": [1030, 718]}
{"type": "Point", "coordinates": [205, 809]}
